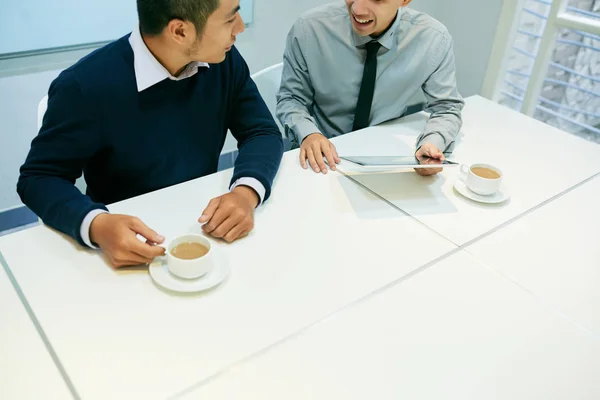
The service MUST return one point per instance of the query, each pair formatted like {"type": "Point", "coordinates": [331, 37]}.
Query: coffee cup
{"type": "Point", "coordinates": [190, 256]}
{"type": "Point", "coordinates": [482, 179]}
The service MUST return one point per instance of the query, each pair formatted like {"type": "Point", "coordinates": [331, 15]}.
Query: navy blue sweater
{"type": "Point", "coordinates": [128, 143]}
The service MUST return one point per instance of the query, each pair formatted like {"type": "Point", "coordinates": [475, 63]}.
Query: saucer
{"type": "Point", "coordinates": [160, 274]}
{"type": "Point", "coordinates": [498, 197]}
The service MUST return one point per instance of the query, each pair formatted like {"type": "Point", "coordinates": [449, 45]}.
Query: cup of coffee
{"type": "Point", "coordinates": [482, 179]}
{"type": "Point", "coordinates": [189, 256]}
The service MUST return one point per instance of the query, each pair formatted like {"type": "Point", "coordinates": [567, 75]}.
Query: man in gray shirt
{"type": "Point", "coordinates": [353, 65]}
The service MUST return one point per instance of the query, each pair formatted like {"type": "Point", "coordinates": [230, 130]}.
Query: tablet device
{"type": "Point", "coordinates": [399, 162]}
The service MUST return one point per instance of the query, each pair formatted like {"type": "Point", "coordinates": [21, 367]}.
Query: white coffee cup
{"type": "Point", "coordinates": [478, 184]}
{"type": "Point", "coordinates": [194, 268]}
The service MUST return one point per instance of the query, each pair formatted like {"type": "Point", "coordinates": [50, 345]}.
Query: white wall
{"type": "Point", "coordinates": [471, 22]}
{"type": "Point", "coordinates": [19, 96]}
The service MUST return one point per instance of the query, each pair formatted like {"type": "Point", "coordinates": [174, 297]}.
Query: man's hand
{"type": "Point", "coordinates": [231, 216]}
{"type": "Point", "coordinates": [429, 154]}
{"type": "Point", "coordinates": [313, 148]}
{"type": "Point", "coordinates": [117, 234]}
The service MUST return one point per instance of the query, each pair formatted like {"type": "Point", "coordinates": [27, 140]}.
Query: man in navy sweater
{"type": "Point", "coordinates": [147, 111]}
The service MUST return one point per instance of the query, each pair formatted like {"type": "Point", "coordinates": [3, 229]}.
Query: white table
{"type": "Point", "coordinates": [319, 244]}
{"type": "Point", "coordinates": [340, 293]}
{"type": "Point", "coordinates": [555, 254]}
{"type": "Point", "coordinates": [456, 331]}
{"type": "Point", "coordinates": [26, 367]}
{"type": "Point", "coordinates": [538, 161]}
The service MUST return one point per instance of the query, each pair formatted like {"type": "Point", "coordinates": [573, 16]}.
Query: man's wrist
{"type": "Point", "coordinates": [434, 138]}
{"type": "Point", "coordinates": [311, 134]}
{"type": "Point", "coordinates": [249, 193]}
{"type": "Point", "coordinates": [252, 183]}
{"type": "Point", "coordinates": [94, 223]}
{"type": "Point", "coordinates": [86, 225]}
{"type": "Point", "coordinates": [303, 129]}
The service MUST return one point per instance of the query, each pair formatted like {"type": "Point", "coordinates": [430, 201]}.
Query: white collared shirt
{"type": "Point", "coordinates": [148, 72]}
{"type": "Point", "coordinates": [323, 70]}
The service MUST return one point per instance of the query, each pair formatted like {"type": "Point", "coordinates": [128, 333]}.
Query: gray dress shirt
{"type": "Point", "coordinates": [323, 67]}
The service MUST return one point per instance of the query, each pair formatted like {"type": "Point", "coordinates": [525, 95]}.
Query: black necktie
{"type": "Point", "coordinates": [367, 88]}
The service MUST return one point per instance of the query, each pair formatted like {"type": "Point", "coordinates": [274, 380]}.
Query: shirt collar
{"type": "Point", "coordinates": [148, 71]}
{"type": "Point", "coordinates": [386, 40]}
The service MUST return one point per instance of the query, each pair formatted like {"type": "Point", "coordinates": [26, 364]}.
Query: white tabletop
{"type": "Point", "coordinates": [538, 162]}
{"type": "Point", "coordinates": [555, 254]}
{"type": "Point", "coordinates": [26, 367]}
{"type": "Point", "coordinates": [456, 331]}
{"type": "Point", "coordinates": [320, 243]}
{"type": "Point", "coordinates": [338, 293]}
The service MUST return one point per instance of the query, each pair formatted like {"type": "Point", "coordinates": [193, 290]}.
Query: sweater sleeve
{"type": "Point", "coordinates": [259, 140]}
{"type": "Point", "coordinates": [67, 140]}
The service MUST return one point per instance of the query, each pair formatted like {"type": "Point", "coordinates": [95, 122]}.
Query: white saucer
{"type": "Point", "coordinates": [161, 275]}
{"type": "Point", "coordinates": [498, 197]}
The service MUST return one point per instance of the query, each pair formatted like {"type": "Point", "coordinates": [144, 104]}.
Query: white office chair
{"type": "Point", "coordinates": [42, 107]}
{"type": "Point", "coordinates": [41, 111]}
{"type": "Point", "coordinates": [268, 81]}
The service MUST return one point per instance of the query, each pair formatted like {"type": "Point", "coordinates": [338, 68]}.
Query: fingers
{"type": "Point", "coordinates": [148, 252]}
{"type": "Point", "coordinates": [311, 160]}
{"type": "Point", "coordinates": [232, 219]}
{"type": "Point", "coordinates": [217, 219]}
{"type": "Point", "coordinates": [434, 152]}
{"type": "Point", "coordinates": [225, 226]}
{"type": "Point", "coordinates": [236, 233]}
{"type": "Point", "coordinates": [233, 228]}
{"type": "Point", "coordinates": [427, 171]}
{"type": "Point", "coordinates": [138, 226]}
{"type": "Point", "coordinates": [330, 159]}
{"type": "Point", "coordinates": [431, 151]}
{"type": "Point", "coordinates": [125, 260]}
{"type": "Point", "coordinates": [336, 157]}
{"type": "Point", "coordinates": [314, 148]}
{"type": "Point", "coordinates": [421, 171]}
{"type": "Point", "coordinates": [236, 222]}
{"type": "Point", "coordinates": [132, 251]}
{"type": "Point", "coordinates": [210, 210]}
{"type": "Point", "coordinates": [303, 158]}
{"type": "Point", "coordinates": [318, 153]}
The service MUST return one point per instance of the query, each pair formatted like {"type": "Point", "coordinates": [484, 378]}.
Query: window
{"type": "Point", "coordinates": [550, 68]}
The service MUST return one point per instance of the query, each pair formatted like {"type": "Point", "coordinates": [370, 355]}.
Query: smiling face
{"type": "Point", "coordinates": [182, 31]}
{"type": "Point", "coordinates": [373, 17]}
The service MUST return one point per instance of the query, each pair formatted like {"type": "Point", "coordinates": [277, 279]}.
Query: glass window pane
{"type": "Point", "coordinates": [532, 22]}
{"type": "Point", "coordinates": [570, 98]}
{"type": "Point", "coordinates": [584, 8]}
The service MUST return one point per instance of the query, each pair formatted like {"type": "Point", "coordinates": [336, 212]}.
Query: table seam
{"type": "Point", "coordinates": [458, 248]}
{"type": "Point", "coordinates": [39, 329]}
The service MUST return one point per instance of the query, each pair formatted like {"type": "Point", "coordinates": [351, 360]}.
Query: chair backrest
{"type": "Point", "coordinates": [268, 81]}
{"type": "Point", "coordinates": [42, 106]}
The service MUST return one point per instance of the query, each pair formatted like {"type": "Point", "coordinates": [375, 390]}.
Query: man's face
{"type": "Point", "coordinates": [222, 27]}
{"type": "Point", "coordinates": [373, 17]}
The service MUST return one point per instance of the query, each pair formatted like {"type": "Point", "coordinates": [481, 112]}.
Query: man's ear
{"type": "Point", "coordinates": [179, 31]}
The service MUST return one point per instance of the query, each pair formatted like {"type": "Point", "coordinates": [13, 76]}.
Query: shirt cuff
{"type": "Point", "coordinates": [434, 138]}
{"type": "Point", "coordinates": [304, 128]}
{"type": "Point", "coordinates": [252, 183]}
{"type": "Point", "coordinates": [85, 226]}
